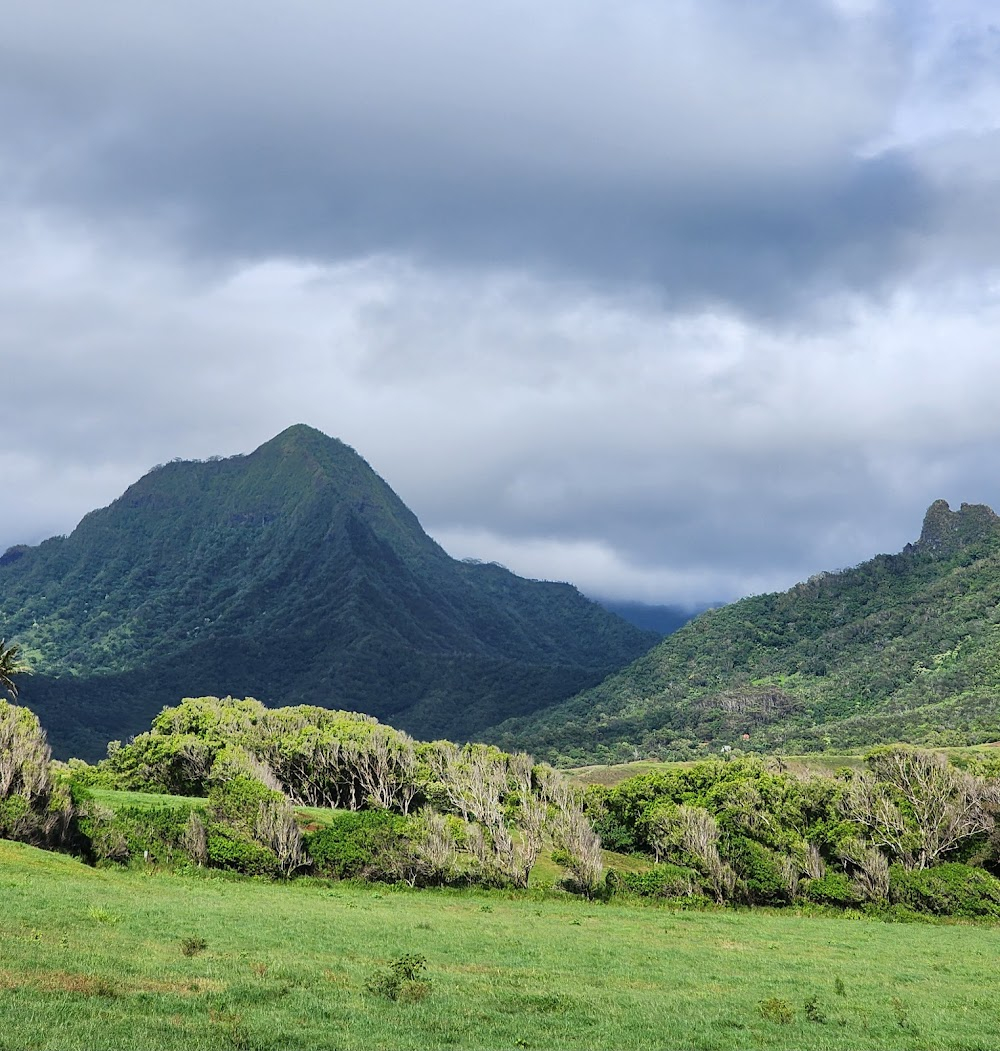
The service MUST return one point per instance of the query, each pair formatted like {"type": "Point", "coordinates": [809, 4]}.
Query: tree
{"type": "Point", "coordinates": [916, 807]}
{"type": "Point", "coordinates": [10, 665]}
{"type": "Point", "coordinates": [32, 807]}
{"type": "Point", "coordinates": [699, 833]}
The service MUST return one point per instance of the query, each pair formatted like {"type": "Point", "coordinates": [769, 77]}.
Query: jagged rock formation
{"type": "Point", "coordinates": [946, 532]}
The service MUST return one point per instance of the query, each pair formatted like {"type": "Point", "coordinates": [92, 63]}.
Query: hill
{"type": "Point", "coordinates": [296, 575]}
{"type": "Point", "coordinates": [904, 647]}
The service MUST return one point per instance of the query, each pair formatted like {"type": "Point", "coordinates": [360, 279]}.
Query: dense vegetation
{"type": "Point", "coordinates": [221, 786]}
{"type": "Point", "coordinates": [902, 648]}
{"type": "Point", "coordinates": [294, 574]}
{"type": "Point", "coordinates": [907, 831]}
{"type": "Point", "coordinates": [390, 808]}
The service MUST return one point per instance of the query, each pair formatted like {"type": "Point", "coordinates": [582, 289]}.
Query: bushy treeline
{"type": "Point", "coordinates": [910, 828]}
{"type": "Point", "coordinates": [401, 809]}
{"type": "Point", "coordinates": [34, 807]}
{"type": "Point", "coordinates": [303, 790]}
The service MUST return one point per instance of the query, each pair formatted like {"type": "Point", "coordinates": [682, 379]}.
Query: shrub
{"type": "Point", "coordinates": [833, 888]}
{"type": "Point", "coordinates": [238, 801]}
{"type": "Point", "coordinates": [615, 834]}
{"type": "Point", "coordinates": [133, 832]}
{"type": "Point", "coordinates": [951, 889]}
{"type": "Point", "coordinates": [365, 844]}
{"type": "Point", "coordinates": [759, 871]}
{"type": "Point", "coordinates": [814, 1010]}
{"type": "Point", "coordinates": [229, 849]}
{"type": "Point", "coordinates": [16, 817]}
{"type": "Point", "coordinates": [775, 1010]}
{"type": "Point", "coordinates": [262, 815]}
{"type": "Point", "coordinates": [33, 807]}
{"type": "Point", "coordinates": [661, 881]}
{"type": "Point", "coordinates": [402, 980]}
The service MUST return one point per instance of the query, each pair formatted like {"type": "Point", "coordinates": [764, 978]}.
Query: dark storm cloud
{"type": "Point", "coordinates": [706, 149]}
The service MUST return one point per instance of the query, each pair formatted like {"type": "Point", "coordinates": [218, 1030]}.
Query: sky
{"type": "Point", "coordinates": [678, 300]}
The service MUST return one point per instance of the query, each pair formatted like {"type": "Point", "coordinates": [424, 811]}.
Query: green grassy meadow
{"type": "Point", "coordinates": [822, 763]}
{"type": "Point", "coordinates": [94, 958]}
{"type": "Point", "coordinates": [114, 798]}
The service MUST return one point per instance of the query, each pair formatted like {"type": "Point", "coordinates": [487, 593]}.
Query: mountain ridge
{"type": "Point", "coordinates": [296, 574]}
{"type": "Point", "coordinates": [902, 647]}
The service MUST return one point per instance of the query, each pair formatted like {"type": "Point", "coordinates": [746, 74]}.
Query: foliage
{"type": "Point", "coordinates": [814, 1010]}
{"type": "Point", "coordinates": [10, 665]}
{"type": "Point", "coordinates": [661, 881]}
{"type": "Point", "coordinates": [758, 833]}
{"type": "Point", "coordinates": [227, 848]}
{"type": "Point", "coordinates": [832, 888]}
{"type": "Point", "coordinates": [918, 807]}
{"type": "Point", "coordinates": [252, 812]}
{"type": "Point", "coordinates": [154, 835]}
{"type": "Point", "coordinates": [480, 814]}
{"type": "Point", "coordinates": [402, 980]}
{"type": "Point", "coordinates": [951, 889]}
{"type": "Point", "coordinates": [366, 844]}
{"type": "Point", "coordinates": [35, 807]}
{"type": "Point", "coordinates": [774, 1009]}
{"type": "Point", "coordinates": [759, 872]}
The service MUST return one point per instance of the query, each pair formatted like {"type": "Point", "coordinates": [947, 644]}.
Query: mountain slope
{"type": "Point", "coordinates": [903, 647]}
{"type": "Point", "coordinates": [294, 574]}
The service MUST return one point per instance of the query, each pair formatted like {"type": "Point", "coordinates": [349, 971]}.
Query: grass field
{"type": "Point", "coordinates": [822, 763]}
{"type": "Point", "coordinates": [114, 798]}
{"type": "Point", "coordinates": [96, 959]}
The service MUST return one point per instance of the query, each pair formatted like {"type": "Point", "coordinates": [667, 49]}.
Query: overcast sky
{"type": "Point", "coordinates": [678, 300]}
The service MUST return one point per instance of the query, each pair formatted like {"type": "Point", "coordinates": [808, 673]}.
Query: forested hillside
{"type": "Point", "coordinates": [901, 648]}
{"type": "Point", "coordinates": [294, 574]}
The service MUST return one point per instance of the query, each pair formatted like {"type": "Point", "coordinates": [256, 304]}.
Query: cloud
{"type": "Point", "coordinates": [708, 149]}
{"type": "Point", "coordinates": [677, 301]}
{"type": "Point", "coordinates": [681, 457]}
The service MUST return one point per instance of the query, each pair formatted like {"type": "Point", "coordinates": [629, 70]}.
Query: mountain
{"type": "Point", "coordinates": [904, 647]}
{"type": "Point", "coordinates": [296, 575]}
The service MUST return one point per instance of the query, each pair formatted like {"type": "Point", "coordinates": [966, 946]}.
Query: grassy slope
{"type": "Point", "coordinates": [821, 763]}
{"type": "Point", "coordinates": [91, 959]}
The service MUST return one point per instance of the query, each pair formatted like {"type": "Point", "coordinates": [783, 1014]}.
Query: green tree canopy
{"type": "Point", "coordinates": [10, 665]}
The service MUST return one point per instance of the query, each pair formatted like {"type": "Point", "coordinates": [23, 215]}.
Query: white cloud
{"type": "Point", "coordinates": [676, 457]}
{"type": "Point", "coordinates": [601, 572]}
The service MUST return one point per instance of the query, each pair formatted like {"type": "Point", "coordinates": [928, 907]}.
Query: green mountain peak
{"type": "Point", "coordinates": [294, 574]}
